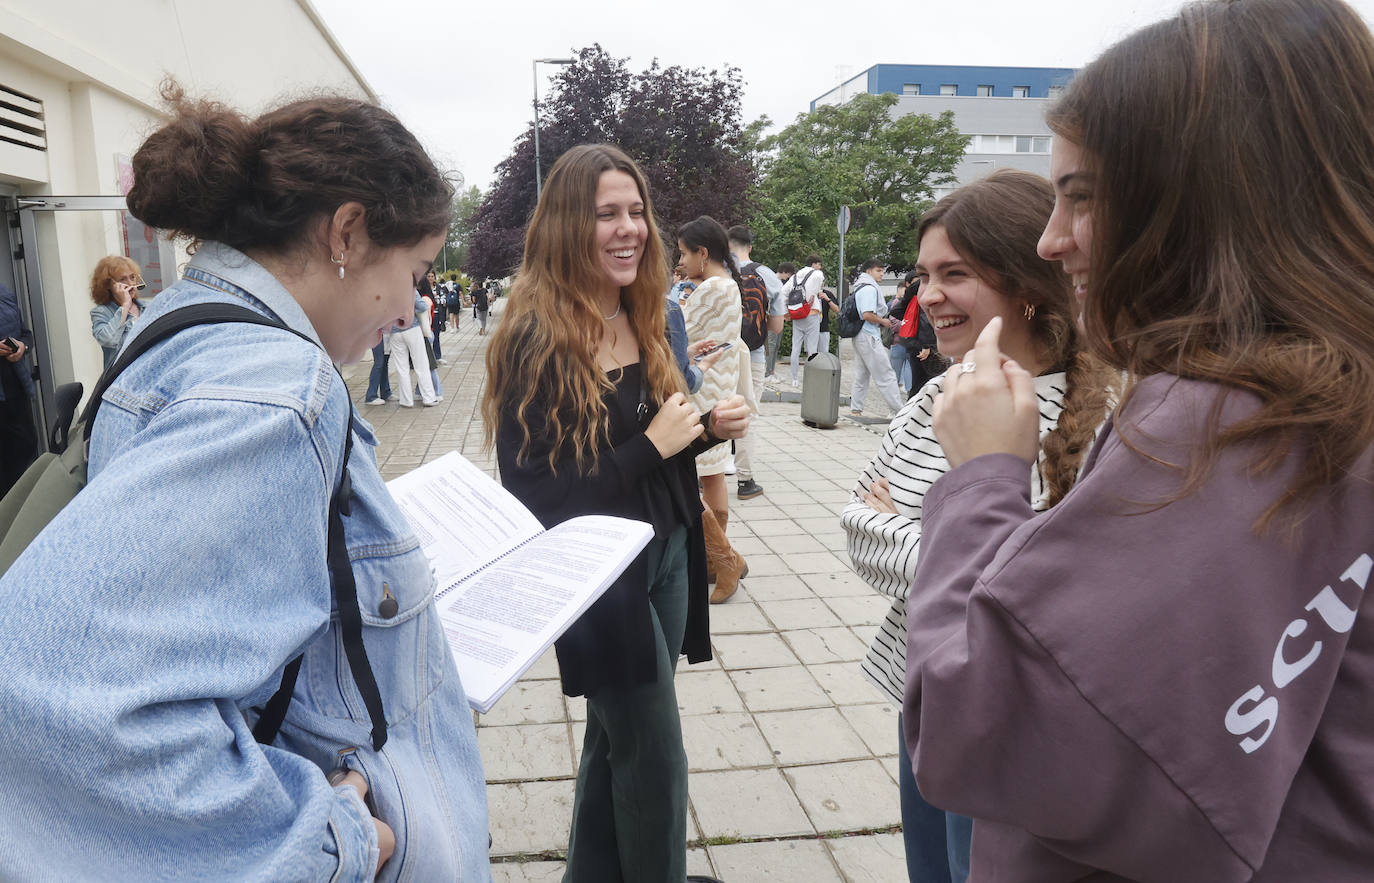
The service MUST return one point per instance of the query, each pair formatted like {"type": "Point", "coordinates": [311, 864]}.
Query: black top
{"type": "Point", "coordinates": [479, 299]}
{"type": "Point", "coordinates": [612, 644]}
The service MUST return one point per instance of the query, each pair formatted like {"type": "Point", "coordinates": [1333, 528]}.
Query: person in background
{"type": "Point", "coordinates": [870, 356]}
{"type": "Point", "coordinates": [915, 336]}
{"type": "Point", "coordinates": [407, 353]}
{"type": "Point", "coordinates": [424, 318]}
{"type": "Point", "coordinates": [977, 261]}
{"type": "Point", "coordinates": [429, 290]}
{"type": "Point", "coordinates": [480, 306]}
{"type": "Point", "coordinates": [378, 380]}
{"type": "Point", "coordinates": [1168, 676]}
{"type": "Point", "coordinates": [741, 244]}
{"type": "Point", "coordinates": [18, 439]}
{"type": "Point", "coordinates": [777, 318]}
{"type": "Point", "coordinates": [117, 311]}
{"type": "Point", "coordinates": [714, 312]}
{"type": "Point", "coordinates": [806, 287]}
{"type": "Point", "coordinates": [585, 409]}
{"type": "Point", "coordinates": [139, 660]}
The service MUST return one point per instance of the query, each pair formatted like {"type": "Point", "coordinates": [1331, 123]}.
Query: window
{"type": "Point", "coordinates": [911, 88]}
{"type": "Point", "coordinates": [984, 91]}
{"type": "Point", "coordinates": [1041, 144]}
{"type": "Point", "coordinates": [1020, 91]}
{"type": "Point", "coordinates": [1056, 91]}
{"type": "Point", "coordinates": [949, 89]}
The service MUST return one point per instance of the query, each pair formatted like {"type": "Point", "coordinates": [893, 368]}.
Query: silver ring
{"type": "Point", "coordinates": [967, 367]}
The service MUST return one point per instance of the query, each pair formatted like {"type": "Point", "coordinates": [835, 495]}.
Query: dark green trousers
{"type": "Point", "coordinates": [630, 812]}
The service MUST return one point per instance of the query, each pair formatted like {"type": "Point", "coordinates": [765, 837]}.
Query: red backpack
{"type": "Point", "coordinates": [753, 295]}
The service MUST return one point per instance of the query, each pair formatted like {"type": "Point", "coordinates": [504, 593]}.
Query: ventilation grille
{"type": "Point", "coordinates": [21, 120]}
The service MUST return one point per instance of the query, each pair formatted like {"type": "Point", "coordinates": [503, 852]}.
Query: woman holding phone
{"type": "Point", "coordinates": [114, 286]}
{"type": "Point", "coordinates": [1168, 675]}
{"type": "Point", "coordinates": [584, 403]}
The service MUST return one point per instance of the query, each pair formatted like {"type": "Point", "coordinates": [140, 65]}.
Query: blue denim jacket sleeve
{"type": "Point", "coordinates": [128, 729]}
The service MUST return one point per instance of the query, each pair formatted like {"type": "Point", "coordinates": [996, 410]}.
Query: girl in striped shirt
{"type": "Point", "coordinates": [977, 260]}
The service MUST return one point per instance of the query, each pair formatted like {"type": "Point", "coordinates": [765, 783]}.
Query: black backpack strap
{"type": "Point", "coordinates": [340, 504]}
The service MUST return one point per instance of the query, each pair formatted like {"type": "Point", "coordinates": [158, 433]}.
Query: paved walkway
{"type": "Point", "coordinates": [793, 754]}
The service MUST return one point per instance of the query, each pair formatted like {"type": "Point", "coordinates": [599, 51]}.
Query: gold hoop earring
{"type": "Point", "coordinates": [340, 261]}
{"type": "Point", "coordinates": [1029, 312]}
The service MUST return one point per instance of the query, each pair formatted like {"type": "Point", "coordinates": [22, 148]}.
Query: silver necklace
{"type": "Point", "coordinates": [613, 315]}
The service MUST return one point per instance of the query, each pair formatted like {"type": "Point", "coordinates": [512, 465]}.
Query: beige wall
{"type": "Point", "coordinates": [96, 66]}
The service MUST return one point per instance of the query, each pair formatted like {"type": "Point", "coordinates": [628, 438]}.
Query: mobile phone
{"type": "Point", "coordinates": [717, 348]}
{"type": "Point", "coordinates": [11, 343]}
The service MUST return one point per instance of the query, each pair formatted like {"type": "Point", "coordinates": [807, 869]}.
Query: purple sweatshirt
{"type": "Point", "coordinates": [1115, 691]}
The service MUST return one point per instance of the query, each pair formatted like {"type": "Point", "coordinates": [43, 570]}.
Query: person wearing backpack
{"type": "Point", "coordinates": [777, 318]}
{"type": "Point", "coordinates": [804, 309]}
{"type": "Point", "coordinates": [870, 356]}
{"type": "Point", "coordinates": [258, 566]}
{"type": "Point", "coordinates": [758, 286]}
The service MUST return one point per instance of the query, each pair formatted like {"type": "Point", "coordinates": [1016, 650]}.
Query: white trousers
{"type": "Point", "coordinates": [871, 361]}
{"type": "Point", "coordinates": [744, 446]}
{"type": "Point", "coordinates": [407, 351]}
{"type": "Point", "coordinates": [805, 332]}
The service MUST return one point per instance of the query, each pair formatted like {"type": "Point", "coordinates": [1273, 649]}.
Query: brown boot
{"type": "Point", "coordinates": [728, 565]}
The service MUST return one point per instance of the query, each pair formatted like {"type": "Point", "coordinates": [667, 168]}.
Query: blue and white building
{"type": "Point", "coordinates": [1002, 109]}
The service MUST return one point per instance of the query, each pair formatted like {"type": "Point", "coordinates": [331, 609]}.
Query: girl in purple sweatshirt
{"type": "Point", "coordinates": [1166, 676]}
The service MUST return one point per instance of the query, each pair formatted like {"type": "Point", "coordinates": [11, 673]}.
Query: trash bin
{"type": "Point", "coordinates": [820, 404]}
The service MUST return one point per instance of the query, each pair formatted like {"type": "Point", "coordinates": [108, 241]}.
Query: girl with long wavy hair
{"type": "Point", "coordinates": [1165, 677]}
{"type": "Point", "coordinates": [585, 406]}
{"type": "Point", "coordinates": [977, 260]}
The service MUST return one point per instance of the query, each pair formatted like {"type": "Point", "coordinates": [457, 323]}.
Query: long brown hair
{"type": "Point", "coordinates": [107, 270]}
{"type": "Point", "coordinates": [994, 224]}
{"type": "Point", "coordinates": [543, 353]}
{"type": "Point", "coordinates": [1232, 153]}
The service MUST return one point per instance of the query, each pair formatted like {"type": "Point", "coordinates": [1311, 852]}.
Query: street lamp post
{"type": "Point", "coordinates": [534, 66]}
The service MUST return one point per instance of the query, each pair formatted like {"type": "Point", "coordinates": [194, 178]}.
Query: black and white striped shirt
{"type": "Point", "coordinates": [882, 547]}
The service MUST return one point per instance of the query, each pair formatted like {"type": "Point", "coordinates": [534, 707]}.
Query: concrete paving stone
{"type": "Point", "coordinates": [890, 765]}
{"type": "Point", "coordinates": [757, 509]}
{"type": "Point", "coordinates": [864, 610]}
{"type": "Point", "coordinates": [750, 545]}
{"type": "Point", "coordinates": [786, 861]}
{"type": "Point", "coordinates": [815, 510]}
{"type": "Point", "coordinates": [527, 702]}
{"type": "Point", "coordinates": [812, 735]}
{"type": "Point", "coordinates": [835, 542]}
{"type": "Point", "coordinates": [876, 723]}
{"type": "Point", "coordinates": [825, 525]}
{"type": "Point", "coordinates": [527, 872]}
{"type": "Point", "coordinates": [707, 692]}
{"type": "Point", "coordinates": [845, 684]}
{"type": "Point", "coordinates": [698, 861]}
{"type": "Point", "coordinates": [576, 707]}
{"type": "Point", "coordinates": [545, 668]}
{"type": "Point", "coordinates": [528, 751]}
{"type": "Point", "coordinates": [869, 858]}
{"type": "Point", "coordinates": [779, 689]}
{"type": "Point", "coordinates": [822, 645]}
{"type": "Point", "coordinates": [777, 588]}
{"type": "Point", "coordinates": [579, 736]}
{"type": "Point", "coordinates": [736, 616]}
{"type": "Point", "coordinates": [530, 816]}
{"type": "Point", "coordinates": [850, 796]}
{"type": "Point", "coordinates": [766, 650]}
{"type": "Point", "coordinates": [724, 741]}
{"type": "Point", "coordinates": [747, 803]}
{"type": "Point", "coordinates": [802, 613]}
{"type": "Point", "coordinates": [783, 499]}
{"type": "Point", "coordinates": [847, 584]}
{"type": "Point", "coordinates": [767, 565]}
{"type": "Point", "coordinates": [816, 562]}
{"type": "Point", "coordinates": [789, 544]}
{"type": "Point", "coordinates": [774, 528]}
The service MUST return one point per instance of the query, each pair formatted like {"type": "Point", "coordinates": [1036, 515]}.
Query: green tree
{"type": "Point", "coordinates": [853, 154]}
{"type": "Point", "coordinates": [454, 254]}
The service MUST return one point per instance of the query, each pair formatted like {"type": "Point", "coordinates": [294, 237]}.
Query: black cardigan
{"type": "Point", "coordinates": [612, 644]}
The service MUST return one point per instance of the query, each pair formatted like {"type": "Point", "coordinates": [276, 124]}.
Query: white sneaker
{"type": "Point", "coordinates": [377, 401]}
{"type": "Point", "coordinates": [730, 465]}
{"type": "Point", "coordinates": [773, 379]}
{"type": "Point", "coordinates": [432, 402]}
{"type": "Point", "coordinates": [441, 361]}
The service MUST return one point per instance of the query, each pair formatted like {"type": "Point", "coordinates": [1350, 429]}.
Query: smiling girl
{"type": "Point", "coordinates": [585, 405]}
{"type": "Point", "coordinates": [1167, 676]}
{"type": "Point", "coordinates": [977, 261]}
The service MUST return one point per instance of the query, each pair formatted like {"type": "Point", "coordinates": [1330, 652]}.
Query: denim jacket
{"type": "Point", "coordinates": [109, 332]}
{"type": "Point", "coordinates": [156, 610]}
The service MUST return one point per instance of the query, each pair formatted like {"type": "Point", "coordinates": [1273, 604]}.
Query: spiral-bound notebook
{"type": "Point", "coordinates": [507, 588]}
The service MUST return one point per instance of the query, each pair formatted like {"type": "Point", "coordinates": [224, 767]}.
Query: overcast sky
{"type": "Point", "coordinates": [458, 73]}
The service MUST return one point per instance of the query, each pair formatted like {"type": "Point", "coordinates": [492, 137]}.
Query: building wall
{"type": "Point", "coordinates": [96, 67]}
{"type": "Point", "coordinates": [930, 79]}
{"type": "Point", "coordinates": [1011, 117]}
